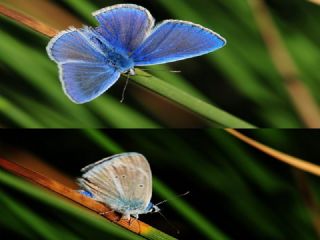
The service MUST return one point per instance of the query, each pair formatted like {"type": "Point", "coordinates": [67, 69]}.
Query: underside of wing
{"type": "Point", "coordinates": [124, 26]}
{"type": "Point", "coordinates": [122, 181]}
{"type": "Point", "coordinates": [174, 40]}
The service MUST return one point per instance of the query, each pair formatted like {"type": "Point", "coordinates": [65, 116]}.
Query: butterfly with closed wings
{"type": "Point", "coordinates": [123, 182]}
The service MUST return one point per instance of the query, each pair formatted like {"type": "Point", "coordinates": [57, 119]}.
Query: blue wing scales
{"type": "Point", "coordinates": [83, 82]}
{"type": "Point", "coordinates": [175, 40]}
{"type": "Point", "coordinates": [124, 26]}
{"type": "Point", "coordinates": [74, 45]}
{"type": "Point", "coordinates": [84, 73]}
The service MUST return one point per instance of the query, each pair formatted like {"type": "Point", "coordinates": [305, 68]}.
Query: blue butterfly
{"type": "Point", "coordinates": [123, 182]}
{"type": "Point", "coordinates": [91, 60]}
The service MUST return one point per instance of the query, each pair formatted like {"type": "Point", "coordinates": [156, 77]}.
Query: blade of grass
{"type": "Point", "coordinates": [84, 8]}
{"type": "Point", "coordinates": [27, 21]}
{"type": "Point", "coordinates": [136, 226]}
{"type": "Point", "coordinates": [118, 115]}
{"type": "Point", "coordinates": [191, 103]}
{"type": "Point", "coordinates": [47, 116]}
{"type": "Point", "coordinates": [304, 103]}
{"type": "Point", "coordinates": [315, 1]}
{"type": "Point", "coordinates": [194, 217]}
{"type": "Point", "coordinates": [286, 158]}
{"type": "Point", "coordinates": [17, 115]}
{"type": "Point", "coordinates": [308, 197]}
{"type": "Point", "coordinates": [40, 226]}
{"type": "Point", "coordinates": [257, 172]}
{"type": "Point", "coordinates": [11, 223]}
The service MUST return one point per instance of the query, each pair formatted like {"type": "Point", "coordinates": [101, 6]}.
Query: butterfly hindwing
{"type": "Point", "coordinates": [123, 182]}
{"type": "Point", "coordinates": [174, 40]}
{"type": "Point", "coordinates": [124, 26]}
{"type": "Point", "coordinates": [83, 70]}
{"type": "Point", "coordinates": [83, 82]}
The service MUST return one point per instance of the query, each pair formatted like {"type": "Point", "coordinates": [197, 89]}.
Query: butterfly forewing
{"type": "Point", "coordinates": [73, 46]}
{"type": "Point", "coordinates": [174, 40]}
{"type": "Point", "coordinates": [124, 176]}
{"type": "Point", "coordinates": [124, 25]}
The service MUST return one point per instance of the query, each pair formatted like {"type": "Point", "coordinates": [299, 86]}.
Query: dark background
{"type": "Point", "coordinates": [243, 192]}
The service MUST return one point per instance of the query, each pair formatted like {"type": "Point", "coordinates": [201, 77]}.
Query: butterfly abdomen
{"type": "Point", "coordinates": [125, 206]}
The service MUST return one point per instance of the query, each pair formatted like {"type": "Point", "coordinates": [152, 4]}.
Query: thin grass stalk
{"type": "Point", "coordinates": [278, 155]}
{"type": "Point", "coordinates": [309, 199]}
{"type": "Point", "coordinates": [303, 101]}
{"type": "Point", "coordinates": [315, 1]}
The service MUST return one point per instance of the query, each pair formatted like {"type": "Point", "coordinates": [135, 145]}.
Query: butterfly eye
{"type": "Point", "coordinates": [141, 185]}
{"type": "Point", "coordinates": [116, 176]}
{"type": "Point", "coordinates": [123, 176]}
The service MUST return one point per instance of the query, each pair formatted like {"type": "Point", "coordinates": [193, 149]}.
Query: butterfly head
{"type": "Point", "coordinates": [131, 72]}
{"type": "Point", "coordinates": [151, 208]}
{"type": "Point", "coordinates": [155, 209]}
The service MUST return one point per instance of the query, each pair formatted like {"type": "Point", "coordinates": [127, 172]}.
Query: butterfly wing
{"type": "Point", "coordinates": [174, 40]}
{"type": "Point", "coordinates": [124, 26]}
{"type": "Point", "coordinates": [122, 181]}
{"type": "Point", "coordinates": [84, 73]}
{"type": "Point", "coordinates": [83, 82]}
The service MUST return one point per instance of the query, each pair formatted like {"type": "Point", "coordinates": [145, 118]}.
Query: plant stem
{"type": "Point", "coordinates": [193, 104]}
{"type": "Point", "coordinates": [300, 95]}
{"type": "Point", "coordinates": [286, 158]}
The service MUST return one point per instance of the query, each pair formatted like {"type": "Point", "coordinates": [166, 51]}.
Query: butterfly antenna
{"type": "Point", "coordinates": [125, 88]}
{"type": "Point", "coordinates": [169, 223]}
{"type": "Point", "coordinates": [180, 195]}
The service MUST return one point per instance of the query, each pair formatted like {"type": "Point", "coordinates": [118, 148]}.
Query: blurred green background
{"type": "Point", "coordinates": [240, 78]}
{"type": "Point", "coordinates": [236, 192]}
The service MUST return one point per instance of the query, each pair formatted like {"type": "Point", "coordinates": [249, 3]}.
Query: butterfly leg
{"type": "Point", "coordinates": [126, 216]}
{"type": "Point", "coordinates": [104, 213]}
{"type": "Point", "coordinates": [135, 217]}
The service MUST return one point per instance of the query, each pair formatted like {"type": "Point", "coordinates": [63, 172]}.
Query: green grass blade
{"type": "Point", "coordinates": [40, 226]}
{"type": "Point", "coordinates": [65, 206]}
{"type": "Point", "coordinates": [17, 115]}
{"type": "Point", "coordinates": [193, 216]}
{"type": "Point", "coordinates": [193, 104]}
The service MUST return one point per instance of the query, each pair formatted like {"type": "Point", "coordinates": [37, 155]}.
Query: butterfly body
{"type": "Point", "coordinates": [91, 60]}
{"type": "Point", "coordinates": [120, 62]}
{"type": "Point", "coordinates": [123, 182]}
{"type": "Point", "coordinates": [113, 57]}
